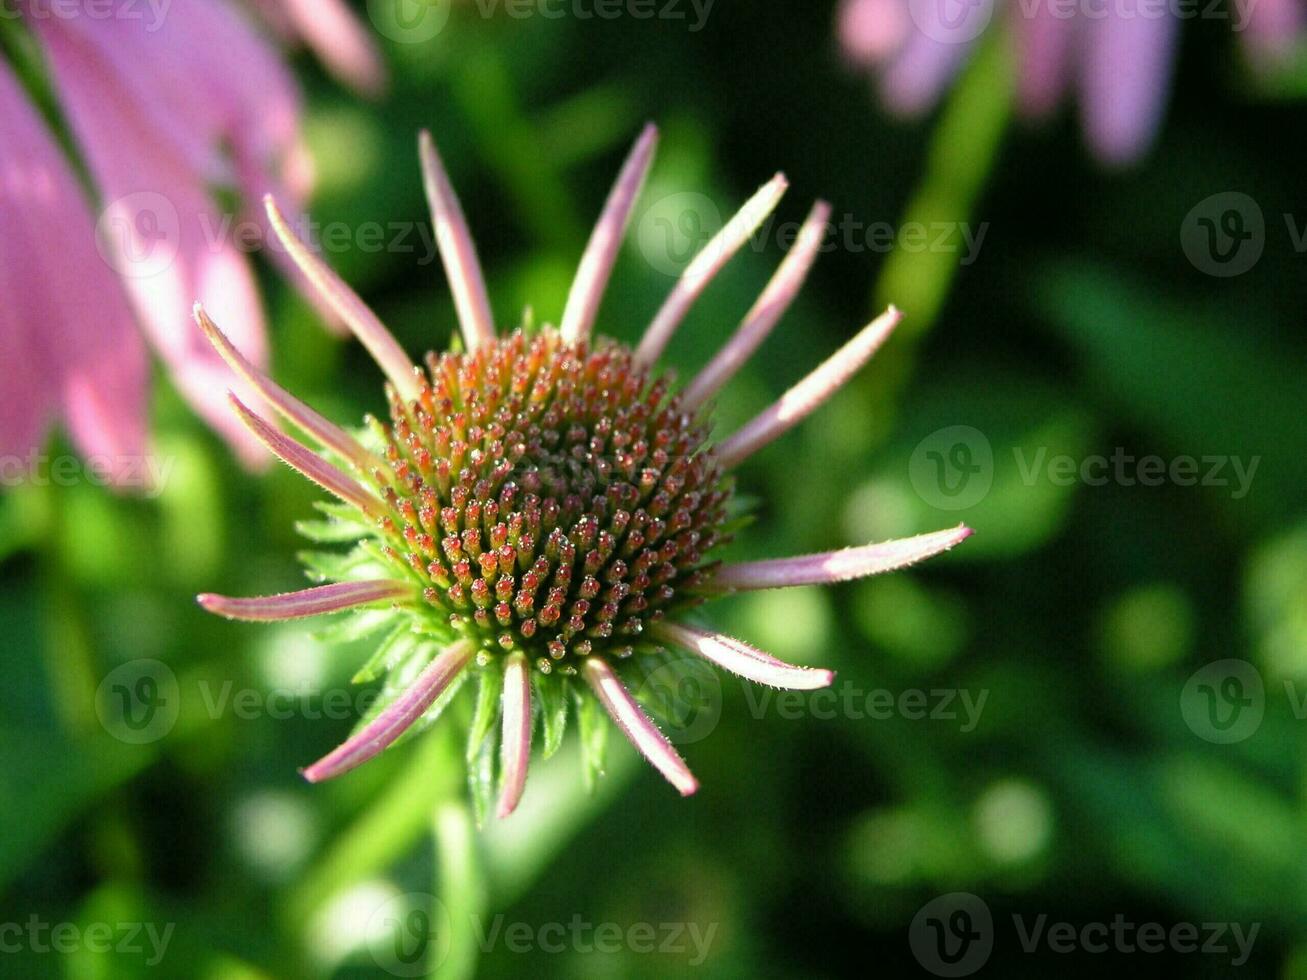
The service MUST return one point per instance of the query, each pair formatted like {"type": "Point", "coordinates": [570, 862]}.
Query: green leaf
{"type": "Point", "coordinates": [592, 724]}
{"type": "Point", "coordinates": [487, 709]}
{"type": "Point", "coordinates": [481, 777]}
{"type": "Point", "coordinates": [355, 626]}
{"type": "Point", "coordinates": [327, 532]}
{"type": "Point", "coordinates": [551, 695]}
{"type": "Point", "coordinates": [394, 648]}
{"type": "Point", "coordinates": [333, 566]}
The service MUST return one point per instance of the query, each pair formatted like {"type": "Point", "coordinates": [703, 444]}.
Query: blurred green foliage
{"type": "Point", "coordinates": [1076, 618]}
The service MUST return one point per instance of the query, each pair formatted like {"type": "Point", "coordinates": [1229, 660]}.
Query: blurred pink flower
{"type": "Point", "coordinates": [1275, 31]}
{"type": "Point", "coordinates": [1116, 55]}
{"type": "Point", "coordinates": [163, 106]}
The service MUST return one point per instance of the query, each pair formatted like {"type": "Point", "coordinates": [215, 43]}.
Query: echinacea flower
{"type": "Point", "coordinates": [1117, 56]}
{"type": "Point", "coordinates": [164, 105]}
{"type": "Point", "coordinates": [541, 511]}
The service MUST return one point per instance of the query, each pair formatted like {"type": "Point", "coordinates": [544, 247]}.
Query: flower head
{"type": "Point", "coordinates": [542, 508]}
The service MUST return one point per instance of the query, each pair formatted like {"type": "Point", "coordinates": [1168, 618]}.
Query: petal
{"type": "Point", "coordinates": [1125, 79]}
{"type": "Point", "coordinates": [66, 320]}
{"type": "Point", "coordinates": [1044, 41]}
{"type": "Point", "coordinates": [336, 36]}
{"type": "Point", "coordinates": [160, 231]}
{"type": "Point", "coordinates": [872, 30]}
{"type": "Point", "coordinates": [771, 306]}
{"type": "Point", "coordinates": [457, 250]}
{"type": "Point", "coordinates": [923, 67]}
{"type": "Point", "coordinates": [378, 734]}
{"type": "Point", "coordinates": [797, 403]}
{"type": "Point", "coordinates": [746, 661]}
{"type": "Point", "coordinates": [516, 746]}
{"type": "Point", "coordinates": [307, 602]}
{"type": "Point", "coordinates": [703, 267]}
{"type": "Point", "coordinates": [839, 566]}
{"type": "Point", "coordinates": [606, 240]}
{"type": "Point", "coordinates": [327, 433]}
{"type": "Point", "coordinates": [309, 464]}
{"type": "Point", "coordinates": [371, 332]}
{"type": "Point", "coordinates": [637, 726]}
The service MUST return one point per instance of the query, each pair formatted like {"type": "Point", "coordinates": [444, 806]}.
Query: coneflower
{"type": "Point", "coordinates": [541, 510]}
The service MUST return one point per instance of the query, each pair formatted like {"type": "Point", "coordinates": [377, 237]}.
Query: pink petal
{"type": "Point", "coordinates": [1273, 30]}
{"type": "Point", "coordinates": [872, 30]}
{"type": "Point", "coordinates": [606, 240]}
{"type": "Point", "coordinates": [839, 566]}
{"type": "Point", "coordinates": [516, 747]}
{"type": "Point", "coordinates": [771, 306]}
{"type": "Point", "coordinates": [66, 330]}
{"type": "Point", "coordinates": [740, 658]}
{"type": "Point", "coordinates": [797, 403]}
{"type": "Point", "coordinates": [378, 734]}
{"type": "Point", "coordinates": [309, 464]}
{"type": "Point", "coordinates": [160, 230]}
{"type": "Point", "coordinates": [344, 46]}
{"type": "Point", "coordinates": [457, 250]}
{"type": "Point", "coordinates": [913, 81]}
{"type": "Point", "coordinates": [324, 431]}
{"type": "Point", "coordinates": [1044, 48]}
{"type": "Point", "coordinates": [322, 599]}
{"type": "Point", "coordinates": [637, 727]}
{"type": "Point", "coordinates": [371, 332]}
{"type": "Point", "coordinates": [1124, 82]}
{"type": "Point", "coordinates": [704, 266]}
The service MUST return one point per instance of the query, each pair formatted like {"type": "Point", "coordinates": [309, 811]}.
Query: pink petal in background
{"type": "Point", "coordinates": [1125, 80]}
{"type": "Point", "coordinates": [163, 232]}
{"type": "Point", "coordinates": [66, 328]}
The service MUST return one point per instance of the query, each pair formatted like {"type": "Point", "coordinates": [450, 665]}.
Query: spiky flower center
{"type": "Point", "coordinates": [554, 499]}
